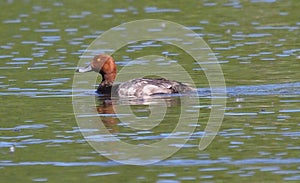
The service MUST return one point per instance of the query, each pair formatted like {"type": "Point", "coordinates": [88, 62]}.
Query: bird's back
{"type": "Point", "coordinates": [146, 87]}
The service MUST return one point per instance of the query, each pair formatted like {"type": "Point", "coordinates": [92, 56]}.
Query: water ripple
{"type": "Point", "coordinates": [175, 163]}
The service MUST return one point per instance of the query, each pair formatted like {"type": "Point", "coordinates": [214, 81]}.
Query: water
{"type": "Point", "coordinates": [255, 43]}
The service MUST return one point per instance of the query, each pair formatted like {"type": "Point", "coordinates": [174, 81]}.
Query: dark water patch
{"type": "Point", "coordinates": [268, 89]}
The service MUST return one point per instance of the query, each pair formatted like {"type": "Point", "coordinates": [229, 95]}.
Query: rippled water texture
{"type": "Point", "coordinates": [255, 41]}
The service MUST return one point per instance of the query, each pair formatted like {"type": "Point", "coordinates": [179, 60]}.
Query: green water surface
{"type": "Point", "coordinates": [256, 41]}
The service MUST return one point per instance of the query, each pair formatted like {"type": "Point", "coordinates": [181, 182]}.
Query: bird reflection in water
{"type": "Point", "coordinates": [107, 108]}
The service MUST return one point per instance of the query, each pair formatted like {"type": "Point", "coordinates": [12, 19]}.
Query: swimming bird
{"type": "Point", "coordinates": [105, 65]}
